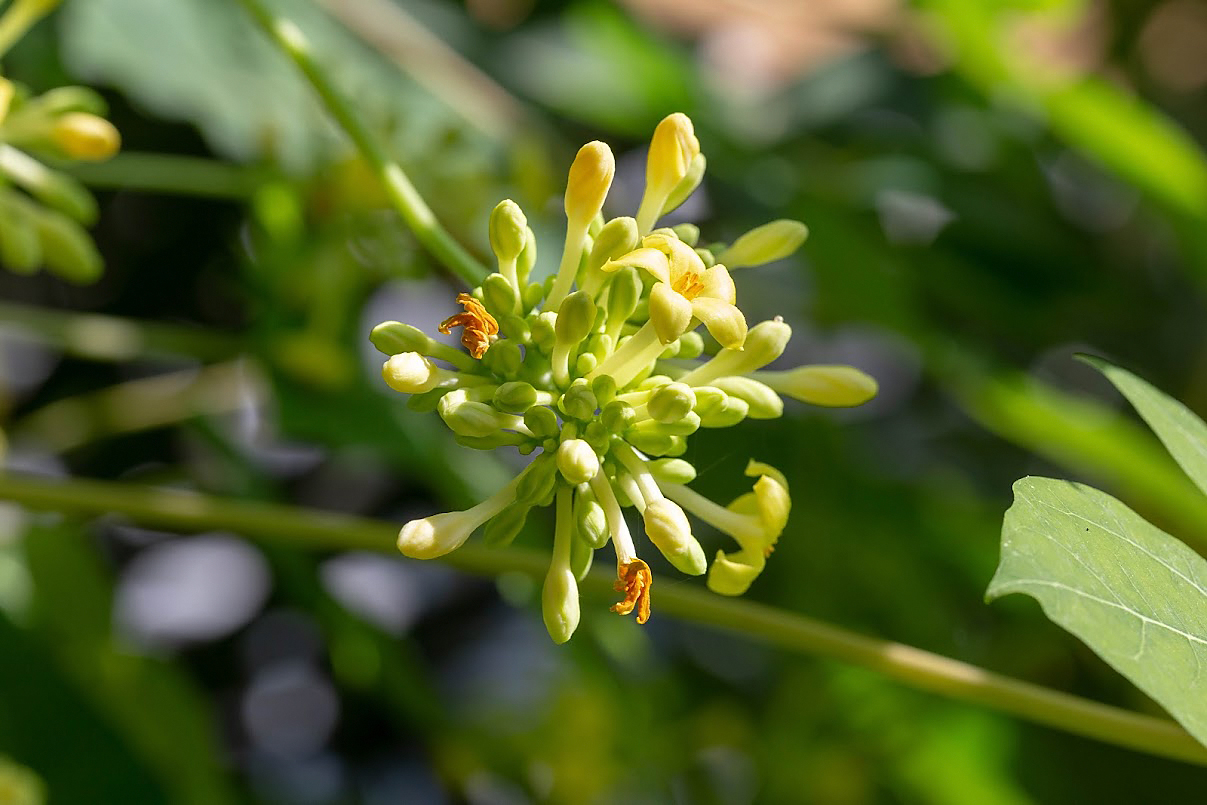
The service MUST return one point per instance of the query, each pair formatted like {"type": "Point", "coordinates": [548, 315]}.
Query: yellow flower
{"type": "Point", "coordinates": [686, 289]}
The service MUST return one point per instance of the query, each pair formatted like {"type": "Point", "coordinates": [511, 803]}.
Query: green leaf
{"type": "Point", "coordinates": [1183, 434]}
{"type": "Point", "coordinates": [1131, 592]}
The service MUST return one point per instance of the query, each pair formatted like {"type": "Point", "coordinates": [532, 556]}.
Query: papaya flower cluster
{"type": "Point", "coordinates": [44, 212]}
{"type": "Point", "coordinates": [603, 373]}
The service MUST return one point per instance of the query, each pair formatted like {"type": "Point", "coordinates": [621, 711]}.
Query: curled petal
{"type": "Point", "coordinates": [718, 284]}
{"type": "Point", "coordinates": [733, 573]}
{"type": "Point", "coordinates": [670, 312]}
{"type": "Point", "coordinates": [652, 260]}
{"type": "Point", "coordinates": [683, 258]}
{"type": "Point", "coordinates": [723, 320]}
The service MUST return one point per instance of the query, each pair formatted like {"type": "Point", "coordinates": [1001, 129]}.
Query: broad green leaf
{"type": "Point", "coordinates": [1183, 434]}
{"type": "Point", "coordinates": [1131, 592]}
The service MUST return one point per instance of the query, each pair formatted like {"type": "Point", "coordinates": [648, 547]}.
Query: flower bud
{"type": "Point", "coordinates": [835, 386]}
{"type": "Point", "coordinates": [84, 136]}
{"type": "Point", "coordinates": [434, 536]}
{"type": "Point", "coordinates": [618, 237]}
{"type": "Point", "coordinates": [392, 337]}
{"type": "Point", "coordinates": [67, 249]}
{"type": "Point", "coordinates": [652, 443]}
{"type": "Point", "coordinates": [604, 389]}
{"type": "Point", "coordinates": [729, 413]}
{"type": "Point", "coordinates": [410, 373]}
{"type": "Point", "coordinates": [581, 557]}
{"type": "Point", "coordinates": [688, 233]}
{"type": "Point", "coordinates": [579, 402]}
{"type": "Point", "coordinates": [515, 397]}
{"type": "Point", "coordinates": [575, 318]}
{"type": "Point", "coordinates": [499, 296]}
{"type": "Point", "coordinates": [542, 421]}
{"type": "Point", "coordinates": [617, 416]}
{"type": "Point", "coordinates": [525, 262]}
{"type": "Point", "coordinates": [468, 418]}
{"type": "Point", "coordinates": [763, 244]}
{"type": "Point", "coordinates": [503, 358]}
{"type": "Point", "coordinates": [687, 185]}
{"type": "Point", "coordinates": [671, 403]}
{"type": "Point", "coordinates": [599, 437]}
{"type": "Point", "coordinates": [590, 178]}
{"type": "Point", "coordinates": [20, 248]}
{"type": "Point", "coordinates": [764, 403]}
{"type": "Point", "coordinates": [686, 425]}
{"type": "Point", "coordinates": [577, 461]}
{"type": "Point", "coordinates": [590, 521]}
{"type": "Point", "coordinates": [508, 231]}
{"type": "Point", "coordinates": [538, 480]}
{"type": "Point", "coordinates": [623, 295]}
{"type": "Point", "coordinates": [543, 332]}
{"type": "Point", "coordinates": [670, 312]}
{"type": "Point", "coordinates": [585, 364]}
{"type": "Point", "coordinates": [706, 257]}
{"type": "Point", "coordinates": [559, 603]}
{"type": "Point", "coordinates": [504, 527]}
{"type": "Point", "coordinates": [764, 343]}
{"type": "Point", "coordinates": [672, 471]}
{"type": "Point", "coordinates": [691, 345]}
{"type": "Point", "coordinates": [709, 399]}
{"type": "Point", "coordinates": [673, 148]}
{"type": "Point", "coordinates": [667, 527]}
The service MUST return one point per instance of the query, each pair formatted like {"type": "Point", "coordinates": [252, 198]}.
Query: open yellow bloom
{"type": "Point", "coordinates": [687, 290]}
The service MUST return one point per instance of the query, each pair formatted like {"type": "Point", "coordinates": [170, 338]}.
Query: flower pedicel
{"type": "Point", "coordinates": [608, 381]}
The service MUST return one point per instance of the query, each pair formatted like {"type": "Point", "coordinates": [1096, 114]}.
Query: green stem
{"type": "Point", "coordinates": [406, 199]}
{"type": "Point", "coordinates": [932, 672]}
{"type": "Point", "coordinates": [110, 338]}
{"type": "Point", "coordinates": [167, 173]}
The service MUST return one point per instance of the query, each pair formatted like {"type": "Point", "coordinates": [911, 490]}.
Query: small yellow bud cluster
{"type": "Point", "coordinates": [605, 383]}
{"type": "Point", "coordinates": [44, 212]}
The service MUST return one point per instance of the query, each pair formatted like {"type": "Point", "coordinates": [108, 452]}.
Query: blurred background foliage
{"type": "Point", "coordinates": [990, 187]}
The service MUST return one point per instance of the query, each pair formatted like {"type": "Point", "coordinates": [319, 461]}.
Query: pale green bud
{"type": "Point", "coordinates": [515, 328]}
{"type": "Point", "coordinates": [687, 185]}
{"type": "Point", "coordinates": [434, 536]}
{"type": "Point", "coordinates": [503, 358]}
{"type": "Point", "coordinates": [667, 527]}
{"type": "Point", "coordinates": [575, 318]}
{"type": "Point", "coordinates": [764, 343]}
{"type": "Point", "coordinates": [590, 521]}
{"type": "Point", "coordinates": [604, 389]}
{"type": "Point", "coordinates": [764, 403]}
{"type": "Point", "coordinates": [410, 373]}
{"type": "Point", "coordinates": [52, 188]}
{"type": "Point", "coordinates": [585, 364]}
{"type": "Point", "coordinates": [543, 332]}
{"type": "Point", "coordinates": [581, 556]}
{"type": "Point", "coordinates": [688, 233]}
{"type": "Point", "coordinates": [598, 437]}
{"type": "Point", "coordinates": [671, 402]}
{"type": "Point", "coordinates": [21, 247]}
{"type": "Point", "coordinates": [672, 471]}
{"type": "Point", "coordinates": [538, 480]}
{"type": "Point", "coordinates": [617, 416]}
{"type": "Point", "coordinates": [618, 236]}
{"type": "Point", "coordinates": [653, 383]}
{"type": "Point", "coordinates": [691, 345]}
{"type": "Point", "coordinates": [671, 351]}
{"type": "Point", "coordinates": [623, 295]}
{"type": "Point", "coordinates": [533, 294]}
{"type": "Point", "coordinates": [559, 603]}
{"type": "Point", "coordinates": [579, 401]}
{"type": "Point", "coordinates": [706, 257]}
{"type": "Point", "coordinates": [652, 443]}
{"type": "Point", "coordinates": [835, 386]}
{"type": "Point", "coordinates": [686, 425]}
{"type": "Point", "coordinates": [709, 399]}
{"type": "Point", "coordinates": [499, 296]}
{"type": "Point", "coordinates": [515, 397]}
{"type": "Point", "coordinates": [67, 249]}
{"type": "Point", "coordinates": [392, 337]}
{"type": "Point", "coordinates": [765, 243]}
{"type": "Point", "coordinates": [577, 461]}
{"type": "Point", "coordinates": [525, 262]}
{"type": "Point", "coordinates": [504, 527]}
{"type": "Point", "coordinates": [589, 180]}
{"type": "Point", "coordinates": [542, 421]}
{"type": "Point", "coordinates": [508, 230]}
{"type": "Point", "coordinates": [468, 418]}
{"type": "Point", "coordinates": [731, 412]}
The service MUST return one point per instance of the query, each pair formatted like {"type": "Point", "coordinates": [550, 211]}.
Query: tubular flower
{"type": "Point", "coordinates": [600, 376]}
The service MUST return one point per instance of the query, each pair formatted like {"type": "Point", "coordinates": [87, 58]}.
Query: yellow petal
{"type": "Point", "coordinates": [718, 284]}
{"type": "Point", "coordinates": [724, 321]}
{"type": "Point", "coordinates": [683, 258]}
{"type": "Point", "coordinates": [652, 260]}
{"type": "Point", "coordinates": [733, 573]}
{"type": "Point", "coordinates": [669, 312]}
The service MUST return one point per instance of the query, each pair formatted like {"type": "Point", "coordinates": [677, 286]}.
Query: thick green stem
{"type": "Point", "coordinates": [406, 199]}
{"type": "Point", "coordinates": [924, 670]}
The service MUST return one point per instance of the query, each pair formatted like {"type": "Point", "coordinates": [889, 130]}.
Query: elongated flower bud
{"type": "Point", "coordinates": [834, 386]}
{"type": "Point", "coordinates": [410, 373]}
{"type": "Point", "coordinates": [618, 236]}
{"type": "Point", "coordinates": [577, 461]}
{"type": "Point", "coordinates": [765, 243]}
{"type": "Point", "coordinates": [672, 149]}
{"type": "Point", "coordinates": [508, 231]}
{"type": "Point", "coordinates": [86, 137]}
{"type": "Point", "coordinates": [667, 527]}
{"type": "Point", "coordinates": [590, 178]}
{"type": "Point", "coordinates": [763, 402]}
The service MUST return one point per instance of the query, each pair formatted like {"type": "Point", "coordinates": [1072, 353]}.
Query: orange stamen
{"type": "Point", "coordinates": [634, 580]}
{"type": "Point", "coordinates": [688, 285]}
{"type": "Point", "coordinates": [481, 329]}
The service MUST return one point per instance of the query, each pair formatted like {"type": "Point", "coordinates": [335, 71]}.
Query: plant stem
{"type": "Point", "coordinates": [920, 669]}
{"type": "Point", "coordinates": [168, 173]}
{"type": "Point", "coordinates": [410, 205]}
